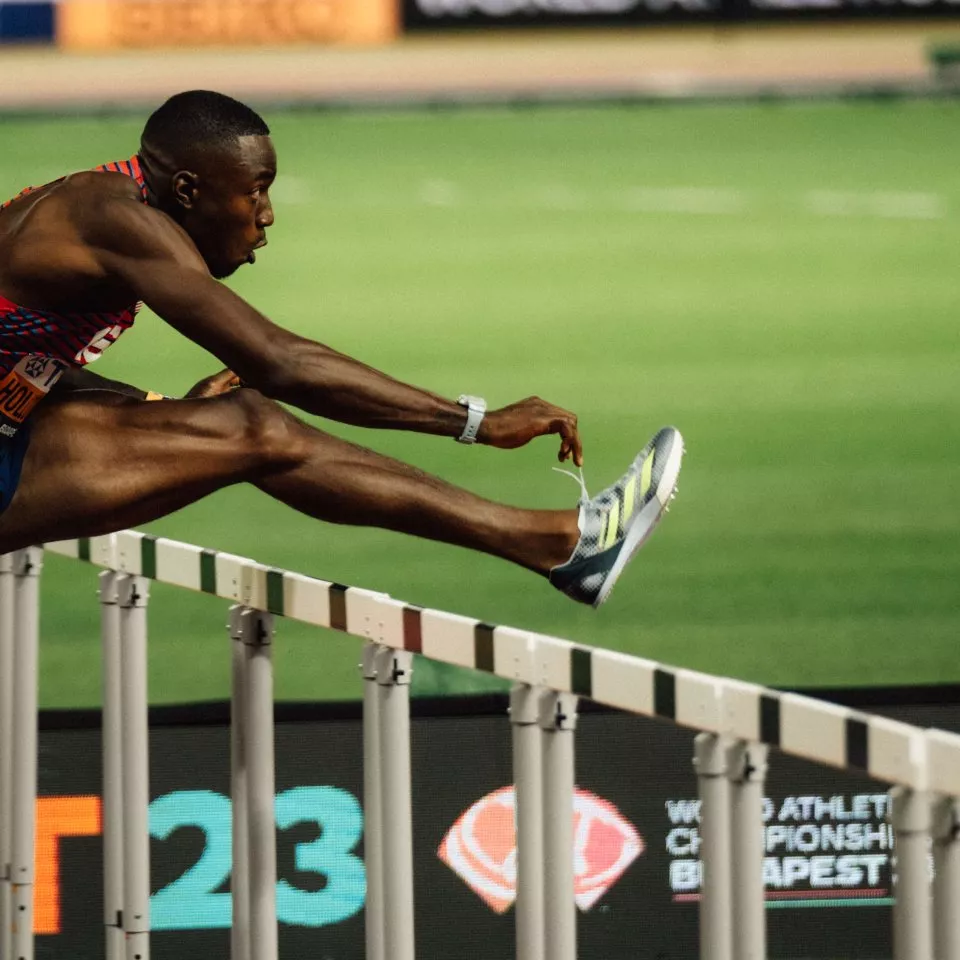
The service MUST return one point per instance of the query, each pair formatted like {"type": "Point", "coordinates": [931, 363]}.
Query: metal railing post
{"type": "Point", "coordinates": [23, 802]}
{"type": "Point", "coordinates": [240, 820]}
{"type": "Point", "coordinates": [716, 902]}
{"type": "Point", "coordinates": [528, 795]}
{"type": "Point", "coordinates": [394, 670]}
{"type": "Point", "coordinates": [747, 772]}
{"type": "Point", "coordinates": [112, 753]}
{"type": "Point", "coordinates": [6, 746]}
{"type": "Point", "coordinates": [372, 807]}
{"type": "Point", "coordinates": [946, 868]}
{"type": "Point", "coordinates": [558, 721]}
{"type": "Point", "coordinates": [257, 632]}
{"type": "Point", "coordinates": [913, 901]}
{"type": "Point", "coordinates": [132, 595]}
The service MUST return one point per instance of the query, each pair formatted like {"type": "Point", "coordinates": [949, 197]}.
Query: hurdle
{"type": "Point", "coordinates": [742, 727]}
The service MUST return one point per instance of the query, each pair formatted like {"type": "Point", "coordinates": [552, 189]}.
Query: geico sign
{"type": "Point", "coordinates": [573, 8]}
{"type": "Point", "coordinates": [233, 21]}
{"type": "Point", "coordinates": [145, 23]}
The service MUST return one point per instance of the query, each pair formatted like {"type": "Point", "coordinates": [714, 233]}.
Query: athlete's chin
{"type": "Point", "coordinates": [222, 271]}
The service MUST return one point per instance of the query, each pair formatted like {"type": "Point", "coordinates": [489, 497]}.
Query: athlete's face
{"type": "Point", "coordinates": [230, 209]}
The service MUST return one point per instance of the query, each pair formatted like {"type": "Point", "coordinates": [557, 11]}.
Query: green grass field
{"type": "Point", "coordinates": [779, 281]}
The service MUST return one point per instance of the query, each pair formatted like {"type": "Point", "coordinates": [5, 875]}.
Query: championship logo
{"type": "Point", "coordinates": [481, 848]}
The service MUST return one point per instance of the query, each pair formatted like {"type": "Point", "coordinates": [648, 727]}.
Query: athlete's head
{"type": "Point", "coordinates": [209, 162]}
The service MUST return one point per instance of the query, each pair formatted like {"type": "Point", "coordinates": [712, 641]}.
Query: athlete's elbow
{"type": "Point", "coordinates": [272, 381]}
{"type": "Point", "coordinates": [281, 376]}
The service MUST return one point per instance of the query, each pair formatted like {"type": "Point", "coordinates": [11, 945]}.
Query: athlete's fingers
{"type": "Point", "coordinates": [567, 428]}
{"type": "Point", "coordinates": [576, 447]}
{"type": "Point", "coordinates": [214, 385]}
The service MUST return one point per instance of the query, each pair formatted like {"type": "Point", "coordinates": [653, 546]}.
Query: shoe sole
{"type": "Point", "coordinates": [645, 521]}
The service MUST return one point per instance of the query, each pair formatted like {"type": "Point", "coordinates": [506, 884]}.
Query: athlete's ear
{"type": "Point", "coordinates": [185, 187]}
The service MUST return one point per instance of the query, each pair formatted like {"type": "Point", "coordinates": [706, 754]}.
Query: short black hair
{"type": "Point", "coordinates": [199, 119]}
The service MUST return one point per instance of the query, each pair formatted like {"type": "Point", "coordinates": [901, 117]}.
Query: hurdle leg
{"type": "Point", "coordinates": [132, 592]}
{"type": "Point", "coordinates": [716, 905]}
{"type": "Point", "coordinates": [26, 564]}
{"type": "Point", "coordinates": [6, 746]}
{"type": "Point", "coordinates": [558, 720]}
{"type": "Point", "coordinates": [112, 752]}
{"type": "Point", "coordinates": [372, 812]}
{"type": "Point", "coordinates": [946, 891]}
{"type": "Point", "coordinates": [394, 670]}
{"type": "Point", "coordinates": [528, 792]}
{"type": "Point", "coordinates": [257, 634]}
{"type": "Point", "coordinates": [913, 902]}
{"type": "Point", "coordinates": [239, 837]}
{"type": "Point", "coordinates": [747, 771]}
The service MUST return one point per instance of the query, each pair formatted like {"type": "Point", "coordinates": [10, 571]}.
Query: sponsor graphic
{"type": "Point", "coordinates": [828, 844]}
{"type": "Point", "coordinates": [431, 14]}
{"type": "Point", "coordinates": [481, 848]}
{"type": "Point", "coordinates": [820, 849]}
{"type": "Point", "coordinates": [458, 14]}
{"type": "Point", "coordinates": [100, 24]}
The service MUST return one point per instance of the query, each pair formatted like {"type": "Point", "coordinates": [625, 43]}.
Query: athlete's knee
{"type": "Point", "coordinates": [268, 431]}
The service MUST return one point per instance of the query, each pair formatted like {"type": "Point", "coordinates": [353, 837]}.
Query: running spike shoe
{"type": "Point", "coordinates": [614, 524]}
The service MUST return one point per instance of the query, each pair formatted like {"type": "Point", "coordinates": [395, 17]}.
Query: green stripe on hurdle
{"type": "Point", "coordinates": [208, 571]}
{"type": "Point", "coordinates": [275, 592]}
{"type": "Point", "coordinates": [483, 647]}
{"type": "Point", "coordinates": [148, 557]}
{"type": "Point", "coordinates": [83, 548]}
{"type": "Point", "coordinates": [581, 672]}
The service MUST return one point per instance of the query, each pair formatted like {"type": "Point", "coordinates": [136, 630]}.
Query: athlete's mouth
{"type": "Point", "coordinates": [252, 256]}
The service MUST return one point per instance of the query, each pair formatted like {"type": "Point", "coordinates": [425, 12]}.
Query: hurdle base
{"type": "Point", "coordinates": [21, 909]}
{"type": "Point", "coordinates": [115, 942]}
{"type": "Point", "coordinates": [138, 945]}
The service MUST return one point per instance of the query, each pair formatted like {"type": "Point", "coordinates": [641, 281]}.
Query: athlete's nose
{"type": "Point", "coordinates": [265, 214]}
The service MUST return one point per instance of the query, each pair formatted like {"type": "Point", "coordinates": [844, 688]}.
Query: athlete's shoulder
{"type": "Point", "coordinates": [117, 229]}
{"type": "Point", "coordinates": [89, 188]}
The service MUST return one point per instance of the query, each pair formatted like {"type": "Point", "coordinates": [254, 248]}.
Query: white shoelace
{"type": "Point", "coordinates": [585, 496]}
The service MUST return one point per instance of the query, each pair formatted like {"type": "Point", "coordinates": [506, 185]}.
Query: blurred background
{"type": "Point", "coordinates": [741, 217]}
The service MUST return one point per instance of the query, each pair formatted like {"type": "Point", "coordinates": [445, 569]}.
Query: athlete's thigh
{"type": "Point", "coordinates": [96, 464]}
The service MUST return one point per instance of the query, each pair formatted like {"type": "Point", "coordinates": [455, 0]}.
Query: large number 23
{"type": "Point", "coordinates": [190, 902]}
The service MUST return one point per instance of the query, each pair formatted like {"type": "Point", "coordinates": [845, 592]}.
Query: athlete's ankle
{"type": "Point", "coordinates": [555, 545]}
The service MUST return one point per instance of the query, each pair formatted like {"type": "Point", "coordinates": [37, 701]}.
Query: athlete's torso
{"type": "Point", "coordinates": [37, 345]}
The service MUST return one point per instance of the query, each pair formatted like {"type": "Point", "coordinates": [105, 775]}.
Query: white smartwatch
{"type": "Point", "coordinates": [476, 408]}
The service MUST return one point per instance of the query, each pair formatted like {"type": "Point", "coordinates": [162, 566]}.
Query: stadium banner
{"type": "Point", "coordinates": [636, 815]}
{"type": "Point", "coordinates": [106, 24]}
{"type": "Point", "coordinates": [26, 22]}
{"type": "Point", "coordinates": [420, 15]}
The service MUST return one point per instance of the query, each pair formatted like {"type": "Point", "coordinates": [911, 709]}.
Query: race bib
{"type": "Point", "coordinates": [24, 387]}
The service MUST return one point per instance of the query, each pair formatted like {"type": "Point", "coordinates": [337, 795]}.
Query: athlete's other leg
{"type": "Point", "coordinates": [99, 463]}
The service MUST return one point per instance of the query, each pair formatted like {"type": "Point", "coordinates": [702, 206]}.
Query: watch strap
{"type": "Point", "coordinates": [476, 408]}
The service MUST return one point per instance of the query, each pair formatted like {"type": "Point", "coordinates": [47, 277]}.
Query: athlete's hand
{"type": "Point", "coordinates": [213, 386]}
{"type": "Point", "coordinates": [516, 425]}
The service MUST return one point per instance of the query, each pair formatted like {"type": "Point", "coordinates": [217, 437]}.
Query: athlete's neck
{"type": "Point", "coordinates": [150, 178]}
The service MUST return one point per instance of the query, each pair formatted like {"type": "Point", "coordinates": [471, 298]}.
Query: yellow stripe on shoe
{"type": "Point", "coordinates": [629, 497]}
{"type": "Point", "coordinates": [613, 522]}
{"type": "Point", "coordinates": [646, 474]}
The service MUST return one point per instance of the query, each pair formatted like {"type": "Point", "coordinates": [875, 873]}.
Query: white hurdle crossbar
{"type": "Point", "coordinates": [738, 723]}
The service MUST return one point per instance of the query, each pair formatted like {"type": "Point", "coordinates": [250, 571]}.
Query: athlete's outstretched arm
{"type": "Point", "coordinates": [161, 266]}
